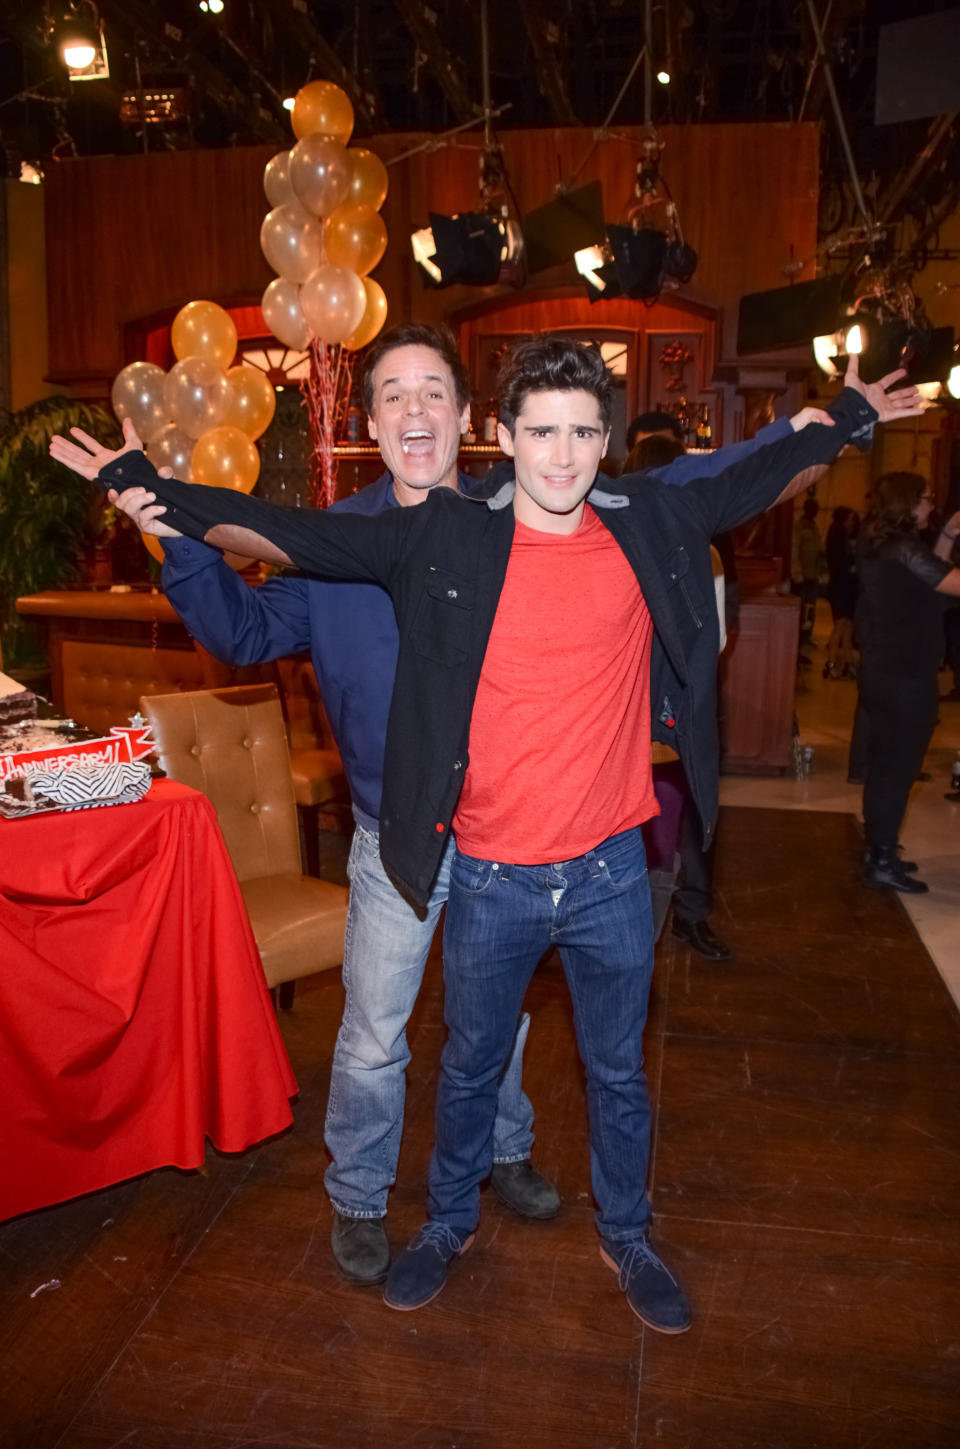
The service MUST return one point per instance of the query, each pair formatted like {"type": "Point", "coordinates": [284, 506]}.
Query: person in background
{"type": "Point", "coordinates": [840, 549]}
{"type": "Point", "coordinates": [904, 587]}
{"type": "Point", "coordinates": [646, 425]}
{"type": "Point", "coordinates": [810, 563]}
{"type": "Point", "coordinates": [692, 890]}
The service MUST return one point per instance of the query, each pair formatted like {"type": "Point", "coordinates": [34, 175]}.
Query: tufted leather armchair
{"type": "Point", "coordinates": [231, 744]}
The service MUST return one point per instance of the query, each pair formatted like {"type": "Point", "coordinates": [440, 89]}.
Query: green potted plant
{"type": "Point", "coordinates": [48, 518]}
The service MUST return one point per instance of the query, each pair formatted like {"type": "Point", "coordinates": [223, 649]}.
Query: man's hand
{"type": "Point", "coordinates": [143, 510]}
{"type": "Point", "coordinates": [810, 415]}
{"type": "Point", "coordinates": [88, 459]}
{"type": "Point", "coordinates": [906, 402]}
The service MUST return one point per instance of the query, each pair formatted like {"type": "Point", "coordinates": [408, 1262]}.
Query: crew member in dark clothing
{"type": "Point", "coordinates": [840, 549]}
{"type": "Point", "coordinates": [904, 588]}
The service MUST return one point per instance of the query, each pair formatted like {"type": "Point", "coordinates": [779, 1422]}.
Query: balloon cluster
{"type": "Point", "coordinates": [201, 418]}
{"type": "Point", "coordinates": [325, 232]}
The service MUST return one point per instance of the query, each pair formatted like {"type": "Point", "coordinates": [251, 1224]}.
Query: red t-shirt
{"type": "Point", "coordinates": [560, 731]}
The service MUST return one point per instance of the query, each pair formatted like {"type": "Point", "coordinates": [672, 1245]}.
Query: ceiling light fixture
{"type": "Point", "coordinates": [637, 259]}
{"type": "Point", "coordinates": [476, 248]}
{"type": "Point", "coordinates": [80, 43]}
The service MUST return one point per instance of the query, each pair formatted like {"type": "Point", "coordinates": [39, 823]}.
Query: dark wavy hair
{"type": "Point", "coordinates": [895, 496]}
{"type": "Point", "coordinates": [415, 334]}
{"type": "Point", "coordinates": [654, 451]}
{"type": "Point", "coordinates": [552, 364]}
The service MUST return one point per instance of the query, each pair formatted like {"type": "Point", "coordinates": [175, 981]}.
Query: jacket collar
{"type": "Point", "coordinates": [496, 488]}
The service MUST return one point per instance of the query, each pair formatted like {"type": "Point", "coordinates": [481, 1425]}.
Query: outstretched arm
{"type": "Point", "coordinates": [334, 545]}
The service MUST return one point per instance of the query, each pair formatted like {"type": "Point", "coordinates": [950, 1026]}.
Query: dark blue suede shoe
{"type": "Point", "coordinates": [420, 1271]}
{"type": "Point", "coordinates": [652, 1291]}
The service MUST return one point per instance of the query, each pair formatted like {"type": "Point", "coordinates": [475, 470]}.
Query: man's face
{"type": "Point", "coordinates": [557, 444]}
{"type": "Point", "coordinates": [416, 421]}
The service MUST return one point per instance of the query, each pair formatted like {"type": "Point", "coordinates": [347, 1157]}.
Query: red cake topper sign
{"type": "Point", "coordinates": [123, 745]}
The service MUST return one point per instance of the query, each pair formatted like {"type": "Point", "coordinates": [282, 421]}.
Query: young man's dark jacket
{"type": "Point", "coordinates": [444, 564]}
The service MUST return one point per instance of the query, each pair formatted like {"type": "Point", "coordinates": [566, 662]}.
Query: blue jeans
{"type": "Point", "coordinates": [385, 951]}
{"type": "Point", "coordinates": [500, 920]}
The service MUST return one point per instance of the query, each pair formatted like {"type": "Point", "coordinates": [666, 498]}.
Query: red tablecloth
{"type": "Point", "coordinates": [134, 1017]}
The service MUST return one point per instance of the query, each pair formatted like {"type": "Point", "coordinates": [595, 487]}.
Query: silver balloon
{"type": "Point", "coordinates": [333, 301]}
{"type": "Point", "coordinates": [138, 394]}
{"type": "Point", "coordinates": [282, 313]}
{"type": "Point", "coordinates": [291, 240]}
{"type": "Point", "coordinates": [276, 181]}
{"type": "Point", "coordinates": [197, 395]}
{"type": "Point", "coordinates": [172, 448]}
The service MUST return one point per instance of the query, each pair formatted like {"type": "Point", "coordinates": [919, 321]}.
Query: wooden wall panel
{"type": "Point", "coordinates": [130, 237]}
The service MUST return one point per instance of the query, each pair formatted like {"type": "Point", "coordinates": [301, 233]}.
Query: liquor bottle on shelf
{"type": "Point", "coordinates": [351, 422]}
{"type": "Point", "coordinates": [705, 429]}
{"type": "Point", "coordinates": [490, 423]}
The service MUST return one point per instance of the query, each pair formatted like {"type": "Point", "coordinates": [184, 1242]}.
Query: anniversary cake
{"type": "Point", "coordinates": [16, 701]}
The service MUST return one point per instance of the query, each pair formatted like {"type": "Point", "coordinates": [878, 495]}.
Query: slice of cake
{"type": "Point", "coordinates": [16, 701]}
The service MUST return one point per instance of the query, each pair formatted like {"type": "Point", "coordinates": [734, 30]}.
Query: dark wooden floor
{"type": "Point", "coordinates": [806, 1183]}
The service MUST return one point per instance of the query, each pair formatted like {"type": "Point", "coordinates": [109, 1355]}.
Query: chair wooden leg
{"type": "Point", "coordinates": [284, 995]}
{"type": "Point", "coordinates": [310, 816]}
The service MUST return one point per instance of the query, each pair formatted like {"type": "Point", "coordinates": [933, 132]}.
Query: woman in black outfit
{"type": "Point", "coordinates": [904, 587]}
{"type": "Point", "coordinates": [841, 590]}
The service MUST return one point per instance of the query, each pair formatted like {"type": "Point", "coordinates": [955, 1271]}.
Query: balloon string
{"type": "Point", "coordinates": [327, 392]}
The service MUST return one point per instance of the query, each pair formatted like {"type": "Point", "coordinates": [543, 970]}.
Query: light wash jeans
{"type": "Point", "coordinates": [385, 952]}
{"type": "Point", "coordinates": [500, 920]}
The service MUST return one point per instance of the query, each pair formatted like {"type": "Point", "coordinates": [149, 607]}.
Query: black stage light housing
{"type": "Point", "coordinates": [467, 249]}
{"type": "Point", "coordinates": [926, 353]}
{"type": "Point", "coordinates": [789, 316]}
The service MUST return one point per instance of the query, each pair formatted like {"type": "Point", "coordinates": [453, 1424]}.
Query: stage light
{"type": "Point", "coordinates": [825, 351]}
{"type": "Point", "coordinates": [953, 382]}
{"type": "Point", "coordinates": [590, 262]}
{"type": "Point", "coordinates": [289, 102]}
{"type": "Point", "coordinates": [216, 6]}
{"type": "Point", "coordinates": [470, 247]}
{"type": "Point", "coordinates": [80, 44]}
{"type": "Point", "coordinates": [663, 76]}
{"type": "Point", "coordinates": [853, 342]}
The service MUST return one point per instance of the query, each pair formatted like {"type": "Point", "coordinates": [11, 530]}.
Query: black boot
{"type": "Point", "coordinates": [882, 869]}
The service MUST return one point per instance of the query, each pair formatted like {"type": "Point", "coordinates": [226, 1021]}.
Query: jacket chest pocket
{"type": "Point", "coordinates": [443, 621]}
{"type": "Point", "coordinates": [682, 584]}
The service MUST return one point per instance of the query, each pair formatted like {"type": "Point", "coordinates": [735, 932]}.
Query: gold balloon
{"type": "Point", "coordinates": [368, 178]}
{"type": "Point", "coordinates": [333, 301]}
{"type": "Point", "coordinates": [153, 546]}
{"type": "Point", "coordinates": [253, 401]}
{"type": "Point", "coordinates": [225, 458]}
{"type": "Point", "coordinates": [355, 237]}
{"type": "Point", "coordinates": [372, 319]}
{"type": "Point", "coordinates": [322, 106]}
{"type": "Point", "coordinates": [202, 329]}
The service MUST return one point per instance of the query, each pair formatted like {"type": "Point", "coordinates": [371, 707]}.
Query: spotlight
{"type": "Point", "coordinates": [825, 351]}
{"type": "Point", "coordinates": [853, 342]}
{"type": "Point", "coordinates": [634, 262]}
{"type": "Point", "coordinates": [289, 102]}
{"type": "Point", "coordinates": [471, 247]}
{"type": "Point", "coordinates": [663, 76]}
{"type": "Point", "coordinates": [953, 382]}
{"type": "Point", "coordinates": [81, 46]}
